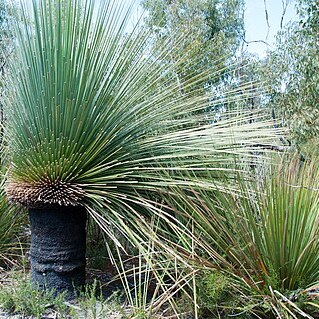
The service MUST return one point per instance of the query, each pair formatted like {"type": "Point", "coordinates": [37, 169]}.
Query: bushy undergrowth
{"type": "Point", "coordinates": [17, 296]}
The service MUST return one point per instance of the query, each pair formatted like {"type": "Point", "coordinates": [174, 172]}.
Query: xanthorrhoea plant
{"type": "Point", "coordinates": [264, 239]}
{"type": "Point", "coordinates": [97, 123]}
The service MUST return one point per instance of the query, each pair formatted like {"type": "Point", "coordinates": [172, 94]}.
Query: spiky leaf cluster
{"type": "Point", "coordinates": [95, 118]}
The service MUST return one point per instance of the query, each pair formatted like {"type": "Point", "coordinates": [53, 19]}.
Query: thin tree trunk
{"type": "Point", "coordinates": [58, 246]}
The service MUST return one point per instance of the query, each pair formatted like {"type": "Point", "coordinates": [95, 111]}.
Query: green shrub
{"type": "Point", "coordinates": [212, 288]}
{"type": "Point", "coordinates": [18, 296]}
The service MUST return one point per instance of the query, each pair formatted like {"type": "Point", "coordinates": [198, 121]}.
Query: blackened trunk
{"type": "Point", "coordinates": [58, 245]}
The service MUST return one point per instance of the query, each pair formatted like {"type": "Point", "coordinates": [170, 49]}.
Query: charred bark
{"type": "Point", "coordinates": [58, 246]}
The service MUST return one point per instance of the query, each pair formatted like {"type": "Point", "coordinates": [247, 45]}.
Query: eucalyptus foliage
{"type": "Point", "coordinates": [6, 15]}
{"type": "Point", "coordinates": [96, 119]}
{"type": "Point", "coordinates": [292, 70]}
{"type": "Point", "coordinates": [212, 28]}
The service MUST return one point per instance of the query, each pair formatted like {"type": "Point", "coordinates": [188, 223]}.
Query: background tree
{"type": "Point", "coordinates": [292, 70]}
{"type": "Point", "coordinates": [6, 36]}
{"type": "Point", "coordinates": [212, 31]}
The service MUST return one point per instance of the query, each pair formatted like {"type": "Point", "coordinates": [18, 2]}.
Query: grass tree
{"type": "Point", "coordinates": [256, 252]}
{"type": "Point", "coordinates": [97, 124]}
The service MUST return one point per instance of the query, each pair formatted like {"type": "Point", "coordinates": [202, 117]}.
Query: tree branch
{"type": "Point", "coordinates": [267, 19]}
{"type": "Point", "coordinates": [284, 10]}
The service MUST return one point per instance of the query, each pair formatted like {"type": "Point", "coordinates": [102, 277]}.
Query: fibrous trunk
{"type": "Point", "coordinates": [58, 245]}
